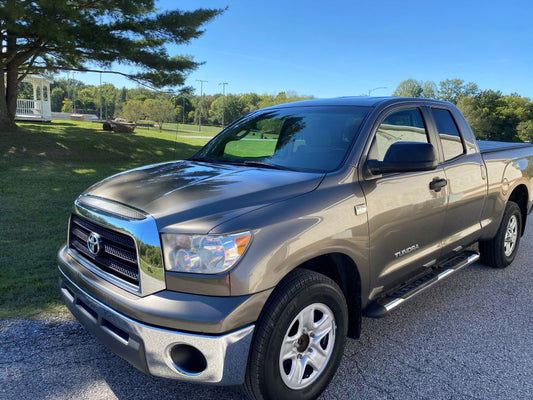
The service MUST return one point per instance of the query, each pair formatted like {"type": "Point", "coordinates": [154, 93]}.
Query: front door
{"type": "Point", "coordinates": [405, 216]}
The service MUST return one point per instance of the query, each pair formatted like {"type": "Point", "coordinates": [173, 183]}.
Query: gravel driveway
{"type": "Point", "coordinates": [470, 337]}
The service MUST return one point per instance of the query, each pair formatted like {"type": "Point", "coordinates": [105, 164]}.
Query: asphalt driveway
{"type": "Point", "coordinates": [470, 337]}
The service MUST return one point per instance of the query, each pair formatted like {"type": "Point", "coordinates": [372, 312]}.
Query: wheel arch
{"type": "Point", "coordinates": [520, 196]}
{"type": "Point", "coordinates": [343, 271]}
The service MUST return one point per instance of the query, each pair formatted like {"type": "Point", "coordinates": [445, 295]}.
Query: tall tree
{"type": "Point", "coordinates": [409, 88]}
{"type": "Point", "coordinates": [281, 98]}
{"type": "Point", "coordinates": [65, 34]}
{"type": "Point", "coordinates": [453, 90]}
{"type": "Point", "coordinates": [56, 98]}
{"type": "Point", "coordinates": [160, 110]}
{"type": "Point", "coordinates": [231, 105]}
{"type": "Point", "coordinates": [133, 110]}
{"type": "Point", "coordinates": [251, 101]}
{"type": "Point", "coordinates": [107, 99]}
{"type": "Point", "coordinates": [183, 106]}
{"type": "Point", "coordinates": [484, 115]}
{"type": "Point", "coordinates": [525, 130]}
{"type": "Point", "coordinates": [430, 90]}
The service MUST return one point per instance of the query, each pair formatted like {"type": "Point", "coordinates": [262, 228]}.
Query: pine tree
{"type": "Point", "coordinates": [63, 34]}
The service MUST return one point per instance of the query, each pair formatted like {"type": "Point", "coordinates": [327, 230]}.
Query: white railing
{"type": "Point", "coordinates": [28, 107]}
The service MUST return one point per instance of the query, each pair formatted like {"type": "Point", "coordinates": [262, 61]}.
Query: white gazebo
{"type": "Point", "coordinates": [38, 109]}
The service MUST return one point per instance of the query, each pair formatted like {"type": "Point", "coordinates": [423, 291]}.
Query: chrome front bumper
{"type": "Point", "coordinates": [149, 348]}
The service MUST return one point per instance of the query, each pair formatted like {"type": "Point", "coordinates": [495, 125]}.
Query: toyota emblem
{"type": "Point", "coordinates": [94, 243]}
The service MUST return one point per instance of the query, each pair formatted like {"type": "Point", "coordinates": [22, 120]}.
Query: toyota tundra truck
{"type": "Point", "coordinates": [251, 262]}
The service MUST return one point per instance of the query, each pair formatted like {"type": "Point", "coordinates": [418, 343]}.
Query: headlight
{"type": "Point", "coordinates": [203, 254]}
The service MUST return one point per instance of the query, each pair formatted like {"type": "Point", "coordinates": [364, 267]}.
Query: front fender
{"type": "Point", "coordinates": [289, 233]}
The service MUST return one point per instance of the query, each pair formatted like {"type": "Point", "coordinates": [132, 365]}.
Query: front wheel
{"type": "Point", "coordinates": [501, 250]}
{"type": "Point", "coordinates": [299, 340]}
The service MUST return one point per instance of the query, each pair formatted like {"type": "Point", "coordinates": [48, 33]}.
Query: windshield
{"type": "Point", "coordinates": [300, 138]}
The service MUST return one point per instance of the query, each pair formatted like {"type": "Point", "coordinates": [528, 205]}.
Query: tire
{"type": "Point", "coordinates": [501, 250]}
{"type": "Point", "coordinates": [304, 323]}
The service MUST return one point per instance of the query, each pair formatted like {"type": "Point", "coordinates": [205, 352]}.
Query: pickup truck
{"type": "Point", "coordinates": [252, 261]}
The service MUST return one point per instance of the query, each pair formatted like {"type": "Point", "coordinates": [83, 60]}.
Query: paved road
{"type": "Point", "coordinates": [470, 337]}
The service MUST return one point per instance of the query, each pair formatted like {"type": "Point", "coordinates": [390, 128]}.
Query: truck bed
{"type": "Point", "coordinates": [489, 146]}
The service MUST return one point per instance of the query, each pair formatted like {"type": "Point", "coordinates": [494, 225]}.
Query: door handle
{"type": "Point", "coordinates": [438, 184]}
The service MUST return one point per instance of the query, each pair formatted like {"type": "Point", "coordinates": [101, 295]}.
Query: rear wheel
{"type": "Point", "coordinates": [299, 340]}
{"type": "Point", "coordinates": [501, 250]}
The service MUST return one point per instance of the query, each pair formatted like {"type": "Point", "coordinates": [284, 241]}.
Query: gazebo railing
{"type": "Point", "coordinates": [28, 107]}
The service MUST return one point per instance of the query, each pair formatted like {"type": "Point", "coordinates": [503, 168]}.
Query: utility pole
{"type": "Point", "coordinates": [223, 100]}
{"type": "Point", "coordinates": [201, 103]}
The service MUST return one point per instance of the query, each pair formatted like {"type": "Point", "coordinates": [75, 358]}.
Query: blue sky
{"type": "Point", "coordinates": [337, 48]}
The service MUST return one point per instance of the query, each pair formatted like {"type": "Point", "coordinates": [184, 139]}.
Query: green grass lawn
{"type": "Point", "coordinates": [251, 148]}
{"type": "Point", "coordinates": [183, 129]}
{"type": "Point", "coordinates": [43, 168]}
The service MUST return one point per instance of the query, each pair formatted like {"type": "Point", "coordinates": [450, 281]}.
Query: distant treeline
{"type": "Point", "coordinates": [492, 115]}
{"type": "Point", "coordinates": [141, 103]}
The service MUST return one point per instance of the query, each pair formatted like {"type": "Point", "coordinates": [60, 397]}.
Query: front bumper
{"type": "Point", "coordinates": [149, 348]}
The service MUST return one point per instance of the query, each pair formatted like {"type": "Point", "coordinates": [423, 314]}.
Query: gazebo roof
{"type": "Point", "coordinates": [36, 79]}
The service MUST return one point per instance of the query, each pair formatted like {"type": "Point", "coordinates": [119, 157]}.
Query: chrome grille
{"type": "Point", "coordinates": [118, 256]}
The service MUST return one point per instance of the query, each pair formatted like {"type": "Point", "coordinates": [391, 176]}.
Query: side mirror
{"type": "Point", "coordinates": [405, 157]}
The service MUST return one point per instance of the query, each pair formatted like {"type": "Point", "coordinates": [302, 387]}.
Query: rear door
{"type": "Point", "coordinates": [465, 175]}
{"type": "Point", "coordinates": [405, 216]}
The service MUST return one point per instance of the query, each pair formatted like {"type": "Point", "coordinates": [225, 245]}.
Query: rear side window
{"type": "Point", "coordinates": [450, 138]}
{"type": "Point", "coordinates": [406, 125]}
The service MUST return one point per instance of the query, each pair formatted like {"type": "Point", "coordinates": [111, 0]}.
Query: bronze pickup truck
{"type": "Point", "coordinates": [252, 261]}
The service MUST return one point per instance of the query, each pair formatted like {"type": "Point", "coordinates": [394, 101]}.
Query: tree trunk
{"type": "Point", "coordinates": [7, 120]}
{"type": "Point", "coordinates": [12, 90]}
{"type": "Point", "coordinates": [9, 88]}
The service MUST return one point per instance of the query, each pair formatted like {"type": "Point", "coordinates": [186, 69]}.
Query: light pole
{"type": "Point", "coordinates": [223, 100]}
{"type": "Point", "coordinates": [377, 88]}
{"type": "Point", "coordinates": [201, 102]}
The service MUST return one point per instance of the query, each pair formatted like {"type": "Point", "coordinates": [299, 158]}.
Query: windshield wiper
{"type": "Point", "coordinates": [262, 164]}
{"type": "Point", "coordinates": [248, 163]}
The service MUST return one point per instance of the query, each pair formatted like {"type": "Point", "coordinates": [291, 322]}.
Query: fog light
{"type": "Point", "coordinates": [188, 360]}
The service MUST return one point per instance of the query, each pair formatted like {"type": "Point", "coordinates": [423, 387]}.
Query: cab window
{"type": "Point", "coordinates": [406, 125]}
{"type": "Point", "coordinates": [307, 138]}
{"type": "Point", "coordinates": [452, 144]}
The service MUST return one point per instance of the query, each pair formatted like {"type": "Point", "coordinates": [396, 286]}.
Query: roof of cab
{"type": "Point", "coordinates": [358, 101]}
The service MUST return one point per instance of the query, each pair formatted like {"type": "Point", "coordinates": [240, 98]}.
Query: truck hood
{"type": "Point", "coordinates": [191, 196]}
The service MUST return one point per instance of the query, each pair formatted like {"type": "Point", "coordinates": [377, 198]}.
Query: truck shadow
{"type": "Point", "coordinates": [128, 383]}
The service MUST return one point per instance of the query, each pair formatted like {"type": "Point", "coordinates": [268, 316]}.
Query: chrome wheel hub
{"type": "Point", "coordinates": [307, 346]}
{"type": "Point", "coordinates": [511, 236]}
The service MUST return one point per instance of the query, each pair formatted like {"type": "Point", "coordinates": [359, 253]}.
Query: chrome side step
{"type": "Point", "coordinates": [383, 305]}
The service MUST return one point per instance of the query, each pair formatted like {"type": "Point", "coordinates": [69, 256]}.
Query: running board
{"type": "Point", "coordinates": [382, 306]}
